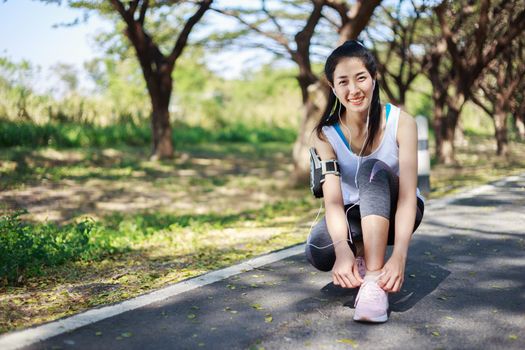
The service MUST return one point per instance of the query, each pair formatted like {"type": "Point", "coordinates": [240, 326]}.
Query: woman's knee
{"type": "Point", "coordinates": [371, 168]}
{"type": "Point", "coordinates": [319, 251]}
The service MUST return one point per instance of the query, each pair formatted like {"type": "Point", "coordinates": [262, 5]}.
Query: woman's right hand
{"type": "Point", "coordinates": [345, 272]}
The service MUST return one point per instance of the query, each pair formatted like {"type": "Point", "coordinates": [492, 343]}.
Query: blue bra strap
{"type": "Point", "coordinates": [340, 132]}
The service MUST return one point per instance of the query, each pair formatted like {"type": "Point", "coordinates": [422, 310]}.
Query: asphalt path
{"type": "Point", "coordinates": [464, 289]}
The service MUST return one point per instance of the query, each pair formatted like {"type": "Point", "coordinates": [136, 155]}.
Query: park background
{"type": "Point", "coordinates": [106, 195]}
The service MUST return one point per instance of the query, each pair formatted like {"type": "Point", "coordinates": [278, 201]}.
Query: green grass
{"type": "Point", "coordinates": [74, 135]}
{"type": "Point", "coordinates": [28, 248]}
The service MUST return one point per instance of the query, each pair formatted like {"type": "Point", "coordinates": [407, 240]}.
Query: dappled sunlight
{"type": "Point", "coordinates": [63, 156]}
{"type": "Point", "coordinates": [477, 164]}
{"type": "Point", "coordinates": [172, 220]}
{"type": "Point", "coordinates": [81, 184]}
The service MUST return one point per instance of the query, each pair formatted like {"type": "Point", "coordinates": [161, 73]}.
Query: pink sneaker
{"type": "Point", "coordinates": [371, 303]}
{"type": "Point", "coordinates": [361, 267]}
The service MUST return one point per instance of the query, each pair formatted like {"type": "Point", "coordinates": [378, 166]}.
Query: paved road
{"type": "Point", "coordinates": [464, 289]}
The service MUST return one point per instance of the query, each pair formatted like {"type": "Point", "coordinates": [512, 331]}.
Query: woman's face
{"type": "Point", "coordinates": [353, 85]}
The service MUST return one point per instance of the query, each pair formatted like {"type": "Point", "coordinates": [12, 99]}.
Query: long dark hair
{"type": "Point", "coordinates": [351, 49]}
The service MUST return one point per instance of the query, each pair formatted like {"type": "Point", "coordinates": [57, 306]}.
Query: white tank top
{"type": "Point", "coordinates": [388, 152]}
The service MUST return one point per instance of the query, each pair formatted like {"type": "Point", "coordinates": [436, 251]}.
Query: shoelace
{"type": "Point", "coordinates": [375, 292]}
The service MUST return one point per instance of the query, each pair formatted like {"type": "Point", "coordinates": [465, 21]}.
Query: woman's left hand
{"type": "Point", "coordinates": [393, 274]}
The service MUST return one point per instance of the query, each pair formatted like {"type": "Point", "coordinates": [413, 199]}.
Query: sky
{"type": "Point", "coordinates": [28, 33]}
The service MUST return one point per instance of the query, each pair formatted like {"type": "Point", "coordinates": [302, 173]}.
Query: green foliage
{"type": "Point", "coordinates": [72, 134]}
{"type": "Point", "coordinates": [26, 248]}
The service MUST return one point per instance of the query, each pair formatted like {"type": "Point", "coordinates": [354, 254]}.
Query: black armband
{"type": "Point", "coordinates": [318, 169]}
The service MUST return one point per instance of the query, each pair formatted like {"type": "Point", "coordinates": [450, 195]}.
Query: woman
{"type": "Point", "coordinates": [375, 201]}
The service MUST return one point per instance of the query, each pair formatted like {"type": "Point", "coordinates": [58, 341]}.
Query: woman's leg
{"type": "Point", "coordinates": [319, 251]}
{"type": "Point", "coordinates": [378, 191]}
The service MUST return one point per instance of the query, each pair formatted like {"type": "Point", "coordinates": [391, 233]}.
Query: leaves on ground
{"type": "Point", "coordinates": [348, 341]}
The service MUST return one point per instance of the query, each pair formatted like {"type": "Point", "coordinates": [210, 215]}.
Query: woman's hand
{"type": "Point", "coordinates": [393, 274]}
{"type": "Point", "coordinates": [345, 272]}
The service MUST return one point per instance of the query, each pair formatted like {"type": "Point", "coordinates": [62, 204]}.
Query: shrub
{"type": "Point", "coordinates": [25, 249]}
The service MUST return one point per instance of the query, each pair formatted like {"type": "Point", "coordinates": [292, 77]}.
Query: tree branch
{"type": "Point", "coordinates": [272, 18]}
{"type": "Point", "coordinates": [457, 56]}
{"type": "Point", "coordinates": [481, 30]}
{"type": "Point", "coordinates": [279, 38]}
{"type": "Point", "coordinates": [183, 36]}
{"type": "Point", "coordinates": [143, 9]}
{"type": "Point", "coordinates": [483, 106]}
{"type": "Point", "coordinates": [515, 28]}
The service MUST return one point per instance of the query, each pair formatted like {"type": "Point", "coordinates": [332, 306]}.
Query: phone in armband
{"type": "Point", "coordinates": [318, 169]}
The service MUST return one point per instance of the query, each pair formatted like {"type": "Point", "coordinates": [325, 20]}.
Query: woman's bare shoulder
{"type": "Point", "coordinates": [406, 120]}
{"type": "Point", "coordinates": [407, 127]}
{"type": "Point", "coordinates": [323, 147]}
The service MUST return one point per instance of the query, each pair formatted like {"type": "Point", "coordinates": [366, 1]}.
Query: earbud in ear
{"type": "Point", "coordinates": [333, 90]}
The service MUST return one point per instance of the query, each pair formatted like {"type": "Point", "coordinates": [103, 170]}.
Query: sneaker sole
{"type": "Point", "coordinates": [379, 319]}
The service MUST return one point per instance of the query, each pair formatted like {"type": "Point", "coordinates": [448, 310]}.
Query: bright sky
{"type": "Point", "coordinates": [28, 33]}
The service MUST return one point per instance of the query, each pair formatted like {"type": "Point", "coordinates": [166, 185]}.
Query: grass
{"type": "Point", "coordinates": [477, 164]}
{"type": "Point", "coordinates": [212, 206]}
{"type": "Point", "coordinates": [74, 134]}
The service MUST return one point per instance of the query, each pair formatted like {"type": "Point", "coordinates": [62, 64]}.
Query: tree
{"type": "Point", "coordinates": [68, 75]}
{"type": "Point", "coordinates": [276, 23]}
{"type": "Point", "coordinates": [471, 35]}
{"type": "Point", "coordinates": [397, 35]}
{"type": "Point", "coordinates": [157, 67]}
{"type": "Point", "coordinates": [498, 88]}
{"type": "Point", "coordinates": [16, 87]}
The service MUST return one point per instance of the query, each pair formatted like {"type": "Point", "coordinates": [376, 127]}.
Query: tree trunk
{"type": "Point", "coordinates": [445, 127]}
{"type": "Point", "coordinates": [500, 125]}
{"type": "Point", "coordinates": [160, 117]}
{"type": "Point", "coordinates": [161, 131]}
{"type": "Point", "coordinates": [438, 97]}
{"type": "Point", "coordinates": [312, 108]}
{"type": "Point", "coordinates": [459, 135]}
{"type": "Point", "coordinates": [520, 125]}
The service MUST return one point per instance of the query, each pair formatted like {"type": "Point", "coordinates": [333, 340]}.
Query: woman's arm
{"type": "Point", "coordinates": [406, 204]}
{"type": "Point", "coordinates": [345, 271]}
{"type": "Point", "coordinates": [407, 200]}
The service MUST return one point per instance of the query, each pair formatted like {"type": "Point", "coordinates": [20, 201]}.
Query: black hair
{"type": "Point", "coordinates": [351, 49]}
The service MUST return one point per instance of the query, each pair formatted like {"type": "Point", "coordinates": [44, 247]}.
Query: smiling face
{"type": "Point", "coordinates": [353, 85]}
